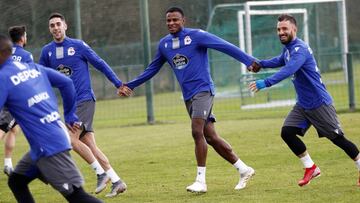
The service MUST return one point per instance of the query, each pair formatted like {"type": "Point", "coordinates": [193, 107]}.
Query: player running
{"type": "Point", "coordinates": [71, 57]}
{"type": "Point", "coordinates": [185, 50]}
{"type": "Point", "coordinates": [26, 90]}
{"type": "Point", "coordinates": [8, 125]}
{"type": "Point", "coordinates": [314, 104]}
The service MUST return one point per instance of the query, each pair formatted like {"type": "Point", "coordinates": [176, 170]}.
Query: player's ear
{"type": "Point", "coordinates": [65, 25]}
{"type": "Point", "coordinates": [295, 28]}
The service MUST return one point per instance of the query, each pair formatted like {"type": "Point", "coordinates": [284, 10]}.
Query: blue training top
{"type": "Point", "coordinates": [71, 58]}
{"type": "Point", "coordinates": [21, 55]}
{"type": "Point", "coordinates": [298, 60]}
{"type": "Point", "coordinates": [186, 53]}
{"type": "Point", "coordinates": [26, 91]}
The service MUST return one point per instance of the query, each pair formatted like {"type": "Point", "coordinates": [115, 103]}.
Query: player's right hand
{"type": "Point", "coordinates": [124, 91]}
{"type": "Point", "coordinates": [254, 67]}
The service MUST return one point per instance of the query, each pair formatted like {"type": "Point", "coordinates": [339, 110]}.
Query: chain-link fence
{"type": "Point", "coordinates": [113, 29]}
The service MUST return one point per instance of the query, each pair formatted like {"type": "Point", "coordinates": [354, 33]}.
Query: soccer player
{"type": "Point", "coordinates": [314, 103]}
{"type": "Point", "coordinates": [26, 90]}
{"type": "Point", "coordinates": [71, 57]}
{"type": "Point", "coordinates": [185, 50]}
{"type": "Point", "coordinates": [8, 124]}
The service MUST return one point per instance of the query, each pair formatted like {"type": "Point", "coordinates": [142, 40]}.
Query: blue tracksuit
{"type": "Point", "coordinates": [71, 58]}
{"type": "Point", "coordinates": [26, 91]}
{"type": "Point", "coordinates": [297, 60]}
{"type": "Point", "coordinates": [186, 52]}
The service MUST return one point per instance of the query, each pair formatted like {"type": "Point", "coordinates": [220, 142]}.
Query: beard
{"type": "Point", "coordinates": [287, 40]}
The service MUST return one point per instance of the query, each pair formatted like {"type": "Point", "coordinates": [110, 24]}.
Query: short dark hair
{"type": "Point", "coordinates": [175, 9]}
{"type": "Point", "coordinates": [287, 17]}
{"type": "Point", "coordinates": [16, 32]}
{"type": "Point", "coordinates": [4, 44]}
{"type": "Point", "coordinates": [57, 15]}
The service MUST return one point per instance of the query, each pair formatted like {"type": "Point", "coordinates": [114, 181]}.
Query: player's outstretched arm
{"type": "Point", "coordinates": [149, 72]}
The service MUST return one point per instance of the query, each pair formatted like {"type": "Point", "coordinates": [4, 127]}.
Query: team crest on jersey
{"type": "Point", "coordinates": [71, 51]}
{"type": "Point", "coordinates": [187, 40]}
{"type": "Point", "coordinates": [180, 61]}
{"type": "Point", "coordinates": [66, 70]}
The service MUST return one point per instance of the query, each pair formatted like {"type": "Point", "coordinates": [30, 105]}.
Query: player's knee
{"type": "Point", "coordinates": [197, 133]}
{"type": "Point", "coordinates": [350, 148]}
{"type": "Point", "coordinates": [17, 181]}
{"type": "Point", "coordinates": [288, 132]}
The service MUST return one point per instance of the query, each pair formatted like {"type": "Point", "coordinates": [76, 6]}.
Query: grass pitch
{"type": "Point", "coordinates": [157, 162]}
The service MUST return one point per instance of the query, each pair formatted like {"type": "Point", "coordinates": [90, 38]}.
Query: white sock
{"type": "Point", "coordinates": [240, 166]}
{"type": "Point", "coordinates": [8, 162]}
{"type": "Point", "coordinates": [307, 161]}
{"type": "Point", "coordinates": [201, 172]}
{"type": "Point", "coordinates": [113, 176]}
{"type": "Point", "coordinates": [97, 168]}
{"type": "Point", "coordinates": [357, 163]}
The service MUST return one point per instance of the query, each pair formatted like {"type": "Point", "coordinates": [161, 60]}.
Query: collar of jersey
{"type": "Point", "coordinates": [9, 60]}
{"type": "Point", "coordinates": [290, 44]}
{"type": "Point", "coordinates": [179, 33]}
{"type": "Point", "coordinates": [61, 43]}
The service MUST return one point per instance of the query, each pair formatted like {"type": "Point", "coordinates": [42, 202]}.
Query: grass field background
{"type": "Point", "coordinates": [157, 162]}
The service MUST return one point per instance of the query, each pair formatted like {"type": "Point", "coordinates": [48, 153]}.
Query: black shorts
{"type": "Point", "coordinates": [7, 122]}
{"type": "Point", "coordinates": [323, 118]}
{"type": "Point", "coordinates": [58, 170]}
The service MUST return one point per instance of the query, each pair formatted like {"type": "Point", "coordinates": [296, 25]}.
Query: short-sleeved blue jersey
{"type": "Point", "coordinates": [71, 58]}
{"type": "Point", "coordinates": [186, 53]}
{"type": "Point", "coordinates": [26, 89]}
{"type": "Point", "coordinates": [298, 61]}
{"type": "Point", "coordinates": [21, 55]}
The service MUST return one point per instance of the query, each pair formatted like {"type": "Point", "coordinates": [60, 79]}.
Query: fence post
{"type": "Point", "coordinates": [351, 85]}
{"type": "Point", "coordinates": [144, 13]}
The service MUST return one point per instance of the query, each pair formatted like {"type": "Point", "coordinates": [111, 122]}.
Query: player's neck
{"type": "Point", "coordinates": [19, 44]}
{"type": "Point", "coordinates": [59, 40]}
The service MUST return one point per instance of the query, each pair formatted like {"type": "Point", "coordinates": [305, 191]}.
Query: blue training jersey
{"type": "Point", "coordinates": [26, 89]}
{"type": "Point", "coordinates": [71, 58]}
{"type": "Point", "coordinates": [186, 53]}
{"type": "Point", "coordinates": [21, 55]}
{"type": "Point", "coordinates": [297, 60]}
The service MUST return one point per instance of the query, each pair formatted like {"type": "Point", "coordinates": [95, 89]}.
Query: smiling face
{"type": "Point", "coordinates": [286, 31]}
{"type": "Point", "coordinates": [57, 28]}
{"type": "Point", "coordinates": [174, 21]}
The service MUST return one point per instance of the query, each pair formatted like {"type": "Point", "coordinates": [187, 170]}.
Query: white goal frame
{"type": "Point", "coordinates": [241, 15]}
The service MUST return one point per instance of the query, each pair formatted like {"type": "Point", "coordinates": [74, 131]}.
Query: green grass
{"type": "Point", "coordinates": [157, 162]}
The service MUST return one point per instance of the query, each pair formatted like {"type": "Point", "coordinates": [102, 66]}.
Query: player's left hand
{"type": "Point", "coordinates": [76, 127]}
{"type": "Point", "coordinates": [257, 85]}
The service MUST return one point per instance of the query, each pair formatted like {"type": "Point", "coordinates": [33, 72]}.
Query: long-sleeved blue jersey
{"type": "Point", "coordinates": [21, 55]}
{"type": "Point", "coordinates": [26, 89]}
{"type": "Point", "coordinates": [186, 52]}
{"type": "Point", "coordinates": [297, 60]}
{"type": "Point", "coordinates": [71, 58]}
